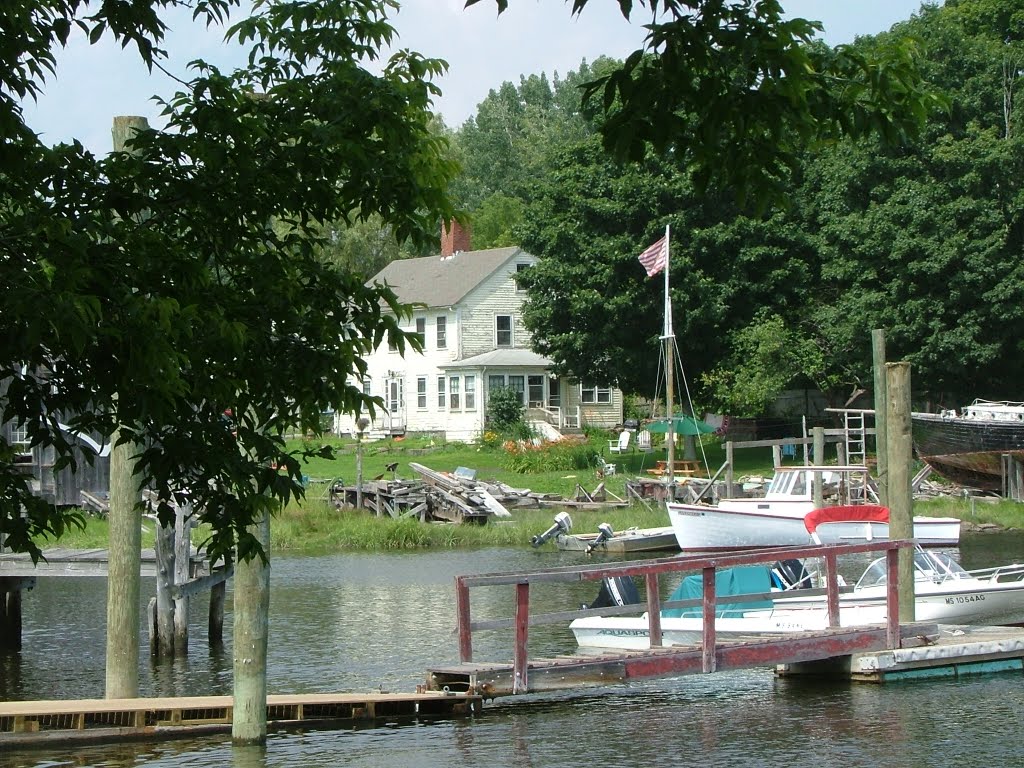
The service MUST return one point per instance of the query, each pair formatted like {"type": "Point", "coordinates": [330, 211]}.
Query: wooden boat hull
{"type": "Point", "coordinates": [967, 451]}
{"type": "Point", "coordinates": [638, 540]}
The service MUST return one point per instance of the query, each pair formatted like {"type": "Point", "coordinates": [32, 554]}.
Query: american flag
{"type": "Point", "coordinates": [655, 258]}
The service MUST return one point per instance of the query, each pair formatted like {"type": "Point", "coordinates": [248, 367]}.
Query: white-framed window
{"type": "Point", "coordinates": [495, 381]}
{"type": "Point", "coordinates": [503, 331]}
{"type": "Point", "coordinates": [536, 391]}
{"type": "Point", "coordinates": [518, 384]}
{"type": "Point", "coordinates": [470, 387]}
{"type": "Point", "coordinates": [366, 386]}
{"type": "Point", "coordinates": [454, 400]}
{"type": "Point", "coordinates": [421, 393]}
{"type": "Point", "coordinates": [441, 392]}
{"type": "Point", "coordinates": [20, 442]}
{"type": "Point", "coordinates": [593, 393]}
{"type": "Point", "coordinates": [421, 330]}
{"type": "Point", "coordinates": [441, 322]}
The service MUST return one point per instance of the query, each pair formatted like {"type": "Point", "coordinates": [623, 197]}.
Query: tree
{"type": "Point", "coordinates": [737, 92]}
{"type": "Point", "coordinates": [217, 299]}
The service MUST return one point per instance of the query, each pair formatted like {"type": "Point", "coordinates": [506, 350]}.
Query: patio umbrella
{"type": "Point", "coordinates": [682, 424]}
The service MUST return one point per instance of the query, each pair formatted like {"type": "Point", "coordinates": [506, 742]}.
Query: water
{"type": "Point", "coordinates": [362, 622]}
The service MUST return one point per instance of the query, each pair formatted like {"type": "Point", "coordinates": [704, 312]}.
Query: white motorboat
{"type": "Point", "coordinates": [778, 518]}
{"type": "Point", "coordinates": [945, 593]}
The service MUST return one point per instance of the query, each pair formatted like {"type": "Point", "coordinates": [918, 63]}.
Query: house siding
{"type": "Point", "coordinates": [470, 331]}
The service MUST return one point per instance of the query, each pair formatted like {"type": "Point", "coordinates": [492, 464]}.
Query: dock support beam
{"type": "Point", "coordinates": [899, 447]}
{"type": "Point", "coordinates": [881, 407]}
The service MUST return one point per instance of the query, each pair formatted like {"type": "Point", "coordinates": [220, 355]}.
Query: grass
{"type": "Point", "coordinates": [312, 525]}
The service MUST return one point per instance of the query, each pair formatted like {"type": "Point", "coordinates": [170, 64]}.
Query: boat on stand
{"type": "Point", "coordinates": [969, 446]}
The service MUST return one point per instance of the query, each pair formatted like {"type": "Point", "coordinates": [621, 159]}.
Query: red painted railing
{"type": "Point", "coordinates": [651, 571]}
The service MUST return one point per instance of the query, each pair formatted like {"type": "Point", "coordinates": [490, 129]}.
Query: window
{"type": "Point", "coordinates": [495, 382]}
{"type": "Point", "coordinates": [21, 445]}
{"type": "Point", "coordinates": [421, 392]}
{"type": "Point", "coordinates": [536, 384]}
{"type": "Point", "coordinates": [440, 392]}
{"type": "Point", "coordinates": [421, 330]}
{"type": "Point", "coordinates": [521, 268]}
{"type": "Point", "coordinates": [518, 383]}
{"type": "Point", "coordinates": [392, 346]}
{"type": "Point", "coordinates": [595, 394]}
{"type": "Point", "coordinates": [453, 393]}
{"type": "Point", "coordinates": [442, 331]}
{"type": "Point", "coordinates": [366, 386]}
{"type": "Point", "coordinates": [503, 330]}
{"type": "Point", "coordinates": [470, 393]}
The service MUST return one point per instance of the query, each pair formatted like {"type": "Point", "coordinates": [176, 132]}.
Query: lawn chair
{"type": "Point", "coordinates": [620, 445]}
{"type": "Point", "coordinates": [643, 441]}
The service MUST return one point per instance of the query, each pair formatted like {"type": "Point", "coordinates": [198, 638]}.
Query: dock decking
{"type": "Point", "coordinates": [26, 723]}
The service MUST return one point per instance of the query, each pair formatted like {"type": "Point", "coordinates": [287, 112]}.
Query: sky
{"type": "Point", "coordinates": [96, 82]}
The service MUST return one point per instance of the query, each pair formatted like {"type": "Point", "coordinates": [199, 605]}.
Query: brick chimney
{"type": "Point", "coordinates": [454, 238]}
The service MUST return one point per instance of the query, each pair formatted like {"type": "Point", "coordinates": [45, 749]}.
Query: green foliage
{"type": "Point", "coordinates": [185, 276]}
{"type": "Point", "coordinates": [505, 410]}
{"type": "Point", "coordinates": [737, 92]}
{"type": "Point", "coordinates": [526, 457]}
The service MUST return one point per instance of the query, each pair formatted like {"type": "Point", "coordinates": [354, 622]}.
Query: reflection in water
{"type": "Point", "coordinates": [359, 622]}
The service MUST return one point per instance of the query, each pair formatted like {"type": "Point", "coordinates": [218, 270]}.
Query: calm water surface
{"type": "Point", "coordinates": [364, 622]}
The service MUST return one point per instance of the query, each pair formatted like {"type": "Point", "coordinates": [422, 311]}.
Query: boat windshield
{"type": "Point", "coordinates": [928, 566]}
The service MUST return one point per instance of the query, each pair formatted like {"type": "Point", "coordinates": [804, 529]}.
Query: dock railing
{"type": "Point", "coordinates": [651, 572]}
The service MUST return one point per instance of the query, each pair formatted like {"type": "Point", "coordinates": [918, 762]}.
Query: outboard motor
{"type": "Point", "coordinates": [605, 532]}
{"type": "Point", "coordinates": [615, 590]}
{"type": "Point", "coordinates": [563, 524]}
{"type": "Point", "coordinates": [792, 574]}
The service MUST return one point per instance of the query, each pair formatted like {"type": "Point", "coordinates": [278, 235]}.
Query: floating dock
{"type": "Point", "coordinates": [957, 651]}
{"type": "Point", "coordinates": [41, 723]}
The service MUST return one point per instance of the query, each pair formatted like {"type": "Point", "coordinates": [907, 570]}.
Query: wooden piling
{"type": "Point", "coordinates": [899, 447]}
{"type": "Point", "coordinates": [216, 617]}
{"type": "Point", "coordinates": [182, 554]}
{"type": "Point", "coordinates": [818, 437]}
{"type": "Point", "coordinates": [164, 583]}
{"type": "Point", "coordinates": [881, 408]}
{"type": "Point", "coordinates": [252, 606]}
{"type": "Point", "coordinates": [125, 521]}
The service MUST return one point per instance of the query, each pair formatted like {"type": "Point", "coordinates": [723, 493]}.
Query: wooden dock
{"type": "Point", "coordinates": [42, 723]}
{"type": "Point", "coordinates": [593, 669]}
{"type": "Point", "coordinates": [874, 653]}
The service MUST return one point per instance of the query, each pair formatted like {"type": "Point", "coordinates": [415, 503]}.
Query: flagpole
{"type": "Point", "coordinates": [669, 339]}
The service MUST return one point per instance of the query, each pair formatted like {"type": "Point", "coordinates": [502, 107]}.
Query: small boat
{"type": "Point", "coordinates": [620, 542]}
{"type": "Point", "coordinates": [778, 518]}
{"type": "Point", "coordinates": [967, 447]}
{"type": "Point", "coordinates": [607, 539]}
{"type": "Point", "coordinates": [944, 593]}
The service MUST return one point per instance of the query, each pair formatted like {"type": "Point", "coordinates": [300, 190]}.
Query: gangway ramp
{"type": "Point", "coordinates": [523, 675]}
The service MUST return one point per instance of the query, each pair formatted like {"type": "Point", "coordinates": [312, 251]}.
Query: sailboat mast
{"type": "Point", "coordinates": [668, 338]}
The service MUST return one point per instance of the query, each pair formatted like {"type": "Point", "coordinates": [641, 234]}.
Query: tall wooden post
{"type": "Point", "coordinates": [881, 407]}
{"type": "Point", "coordinates": [182, 572]}
{"type": "Point", "coordinates": [252, 607]}
{"type": "Point", "coordinates": [818, 438]}
{"type": "Point", "coordinates": [899, 447]}
{"type": "Point", "coordinates": [125, 532]}
{"type": "Point", "coordinates": [164, 645]}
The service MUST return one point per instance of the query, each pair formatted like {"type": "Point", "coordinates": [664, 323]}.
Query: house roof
{"type": "Point", "coordinates": [503, 358]}
{"type": "Point", "coordinates": [439, 282]}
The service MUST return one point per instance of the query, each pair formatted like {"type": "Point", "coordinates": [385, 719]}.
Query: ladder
{"type": "Point", "coordinates": [855, 436]}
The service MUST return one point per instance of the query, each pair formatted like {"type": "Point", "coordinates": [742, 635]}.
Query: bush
{"type": "Point", "coordinates": [504, 410]}
{"type": "Point", "coordinates": [525, 457]}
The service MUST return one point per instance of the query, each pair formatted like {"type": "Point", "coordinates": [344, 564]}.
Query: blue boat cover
{"type": "Point", "coordinates": [730, 581]}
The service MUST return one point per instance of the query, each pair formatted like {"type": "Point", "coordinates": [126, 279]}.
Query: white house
{"type": "Point", "coordinates": [474, 341]}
